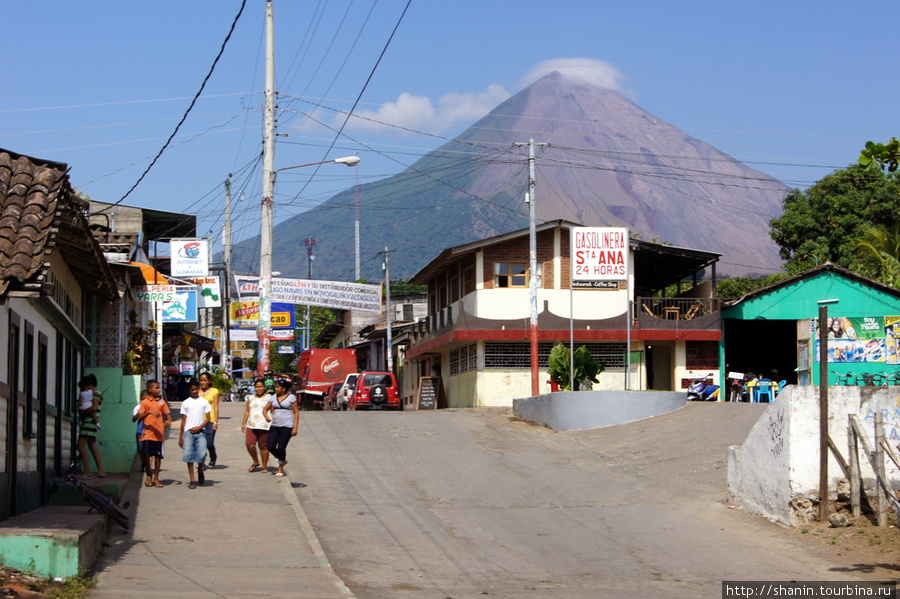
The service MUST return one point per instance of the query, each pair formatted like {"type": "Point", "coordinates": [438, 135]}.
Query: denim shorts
{"type": "Point", "coordinates": [194, 447]}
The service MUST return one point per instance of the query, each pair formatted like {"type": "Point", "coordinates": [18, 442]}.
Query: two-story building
{"type": "Point", "coordinates": [476, 336]}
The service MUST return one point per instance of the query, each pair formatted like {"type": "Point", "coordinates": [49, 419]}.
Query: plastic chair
{"type": "Point", "coordinates": [763, 388]}
{"type": "Point", "coordinates": [781, 386]}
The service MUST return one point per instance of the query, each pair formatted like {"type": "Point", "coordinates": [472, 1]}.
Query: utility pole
{"type": "Point", "coordinates": [226, 288]}
{"type": "Point", "coordinates": [268, 184]}
{"type": "Point", "coordinates": [389, 325]}
{"type": "Point", "coordinates": [310, 243]}
{"type": "Point", "coordinates": [532, 267]}
{"type": "Point", "coordinates": [356, 227]}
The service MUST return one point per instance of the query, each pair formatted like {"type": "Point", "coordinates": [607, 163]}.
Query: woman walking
{"type": "Point", "coordinates": [210, 394]}
{"type": "Point", "coordinates": [255, 426]}
{"type": "Point", "coordinates": [285, 417]}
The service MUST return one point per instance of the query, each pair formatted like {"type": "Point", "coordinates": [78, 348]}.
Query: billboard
{"type": "Point", "coordinates": [190, 257]}
{"type": "Point", "coordinates": [599, 254]}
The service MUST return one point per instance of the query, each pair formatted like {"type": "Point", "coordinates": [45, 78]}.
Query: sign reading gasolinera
{"type": "Point", "coordinates": [599, 253]}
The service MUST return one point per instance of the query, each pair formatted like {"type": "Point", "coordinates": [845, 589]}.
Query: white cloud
{"type": "Point", "coordinates": [419, 113]}
{"type": "Point", "coordinates": [455, 108]}
{"type": "Point", "coordinates": [590, 70]}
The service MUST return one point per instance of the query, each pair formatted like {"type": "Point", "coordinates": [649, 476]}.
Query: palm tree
{"type": "Point", "coordinates": [878, 254]}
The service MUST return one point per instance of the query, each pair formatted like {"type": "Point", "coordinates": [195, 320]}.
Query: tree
{"type": "Point", "coordinates": [824, 223]}
{"type": "Point", "coordinates": [586, 367]}
{"type": "Point", "coordinates": [878, 254]}
{"type": "Point", "coordinates": [883, 156]}
{"type": "Point", "coordinates": [737, 287]}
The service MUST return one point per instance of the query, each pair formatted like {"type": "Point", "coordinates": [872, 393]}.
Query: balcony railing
{"type": "Point", "coordinates": [676, 311]}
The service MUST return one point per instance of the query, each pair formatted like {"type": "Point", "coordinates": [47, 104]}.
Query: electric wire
{"type": "Point", "coordinates": [190, 107]}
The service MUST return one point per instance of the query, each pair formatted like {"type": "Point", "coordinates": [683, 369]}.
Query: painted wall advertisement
{"type": "Point", "coordinates": [861, 339]}
{"type": "Point", "coordinates": [599, 254]}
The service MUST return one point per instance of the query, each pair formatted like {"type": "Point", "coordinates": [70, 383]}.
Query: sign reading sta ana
{"type": "Point", "coordinates": [599, 254]}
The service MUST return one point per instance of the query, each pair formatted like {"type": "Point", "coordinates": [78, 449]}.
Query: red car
{"type": "Point", "coordinates": [375, 391]}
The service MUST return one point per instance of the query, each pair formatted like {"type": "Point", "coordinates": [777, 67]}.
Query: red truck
{"type": "Point", "coordinates": [318, 370]}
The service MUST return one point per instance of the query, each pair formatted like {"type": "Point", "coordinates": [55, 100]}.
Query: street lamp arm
{"type": "Point", "coordinates": [348, 160]}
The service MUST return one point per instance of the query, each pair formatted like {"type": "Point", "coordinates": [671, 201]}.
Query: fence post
{"type": "Point", "coordinates": [880, 471]}
{"type": "Point", "coordinates": [855, 483]}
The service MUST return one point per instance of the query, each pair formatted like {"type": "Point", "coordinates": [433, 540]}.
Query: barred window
{"type": "Point", "coordinates": [463, 359]}
{"type": "Point", "coordinates": [702, 355]}
{"type": "Point", "coordinates": [500, 354]}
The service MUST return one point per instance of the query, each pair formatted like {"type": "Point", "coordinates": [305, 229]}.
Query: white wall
{"type": "Point", "coordinates": [780, 457]}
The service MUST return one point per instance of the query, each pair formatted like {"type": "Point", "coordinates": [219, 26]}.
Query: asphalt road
{"type": "Point", "coordinates": [475, 503]}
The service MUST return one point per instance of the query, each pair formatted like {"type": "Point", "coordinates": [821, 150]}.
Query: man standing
{"type": "Point", "coordinates": [195, 413]}
{"type": "Point", "coordinates": [154, 414]}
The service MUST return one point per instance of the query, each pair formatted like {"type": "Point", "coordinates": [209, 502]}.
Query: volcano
{"type": "Point", "coordinates": [600, 160]}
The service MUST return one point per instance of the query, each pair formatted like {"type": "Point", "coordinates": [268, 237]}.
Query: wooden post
{"type": "Point", "coordinates": [880, 472]}
{"type": "Point", "coordinates": [823, 412]}
{"type": "Point", "coordinates": [855, 482]}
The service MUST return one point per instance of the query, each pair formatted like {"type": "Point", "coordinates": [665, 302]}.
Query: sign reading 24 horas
{"type": "Point", "coordinates": [599, 254]}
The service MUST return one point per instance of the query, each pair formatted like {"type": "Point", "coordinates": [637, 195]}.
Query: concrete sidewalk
{"type": "Point", "coordinates": [240, 535]}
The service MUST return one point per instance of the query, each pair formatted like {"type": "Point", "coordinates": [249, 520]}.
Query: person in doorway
{"type": "Point", "coordinates": [195, 413]}
{"type": "Point", "coordinates": [89, 416]}
{"type": "Point", "coordinates": [210, 394]}
{"type": "Point", "coordinates": [284, 414]}
{"type": "Point", "coordinates": [156, 418]}
{"type": "Point", "coordinates": [255, 426]}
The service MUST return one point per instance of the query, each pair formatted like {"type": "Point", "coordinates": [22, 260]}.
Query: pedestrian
{"type": "Point", "coordinates": [194, 417]}
{"type": "Point", "coordinates": [89, 423]}
{"type": "Point", "coordinates": [139, 429]}
{"type": "Point", "coordinates": [285, 417]}
{"type": "Point", "coordinates": [255, 426]}
{"type": "Point", "coordinates": [210, 394]}
{"type": "Point", "coordinates": [156, 418]}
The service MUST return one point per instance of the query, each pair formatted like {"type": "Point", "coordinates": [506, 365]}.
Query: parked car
{"type": "Point", "coordinates": [333, 397]}
{"type": "Point", "coordinates": [375, 391]}
{"type": "Point", "coordinates": [347, 387]}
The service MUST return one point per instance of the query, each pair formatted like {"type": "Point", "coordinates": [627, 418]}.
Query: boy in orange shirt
{"type": "Point", "coordinates": [154, 414]}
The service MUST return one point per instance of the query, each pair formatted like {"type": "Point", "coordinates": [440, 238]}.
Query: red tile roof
{"type": "Point", "coordinates": [40, 213]}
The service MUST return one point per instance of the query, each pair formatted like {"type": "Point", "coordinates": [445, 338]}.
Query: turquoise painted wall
{"type": "Point", "coordinates": [799, 301]}
{"type": "Point", "coordinates": [116, 437]}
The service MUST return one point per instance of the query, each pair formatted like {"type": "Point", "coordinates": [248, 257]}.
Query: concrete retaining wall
{"type": "Point", "coordinates": [577, 410]}
{"type": "Point", "coordinates": [780, 458]}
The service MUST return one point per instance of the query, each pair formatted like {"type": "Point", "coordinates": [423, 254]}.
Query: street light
{"type": "Point", "coordinates": [263, 330]}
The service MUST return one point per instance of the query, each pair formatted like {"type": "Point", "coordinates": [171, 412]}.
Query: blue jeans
{"type": "Point", "coordinates": [194, 450]}
{"type": "Point", "coordinates": [210, 441]}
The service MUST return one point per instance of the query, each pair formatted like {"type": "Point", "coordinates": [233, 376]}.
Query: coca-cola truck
{"type": "Point", "coordinates": [318, 369]}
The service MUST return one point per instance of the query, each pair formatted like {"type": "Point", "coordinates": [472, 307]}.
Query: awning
{"type": "Point", "coordinates": [198, 342]}
{"type": "Point", "coordinates": [150, 275]}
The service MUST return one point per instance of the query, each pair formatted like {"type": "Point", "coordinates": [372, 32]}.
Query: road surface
{"type": "Point", "coordinates": [476, 503]}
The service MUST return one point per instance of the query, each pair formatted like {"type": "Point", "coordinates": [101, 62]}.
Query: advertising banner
{"type": "Point", "coordinates": [860, 339]}
{"type": "Point", "coordinates": [599, 254]}
{"type": "Point", "coordinates": [327, 294]}
{"type": "Point", "coordinates": [246, 315]}
{"type": "Point", "coordinates": [182, 307]}
{"type": "Point", "coordinates": [190, 257]}
{"type": "Point", "coordinates": [210, 294]}
{"type": "Point", "coordinates": [155, 293]}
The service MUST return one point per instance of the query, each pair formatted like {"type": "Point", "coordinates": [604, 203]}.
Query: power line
{"type": "Point", "coordinates": [188, 111]}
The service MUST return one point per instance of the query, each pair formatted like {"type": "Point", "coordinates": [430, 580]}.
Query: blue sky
{"type": "Point", "coordinates": [792, 88]}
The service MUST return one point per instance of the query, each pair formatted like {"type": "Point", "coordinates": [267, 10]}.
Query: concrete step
{"type": "Point", "coordinates": [54, 541]}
